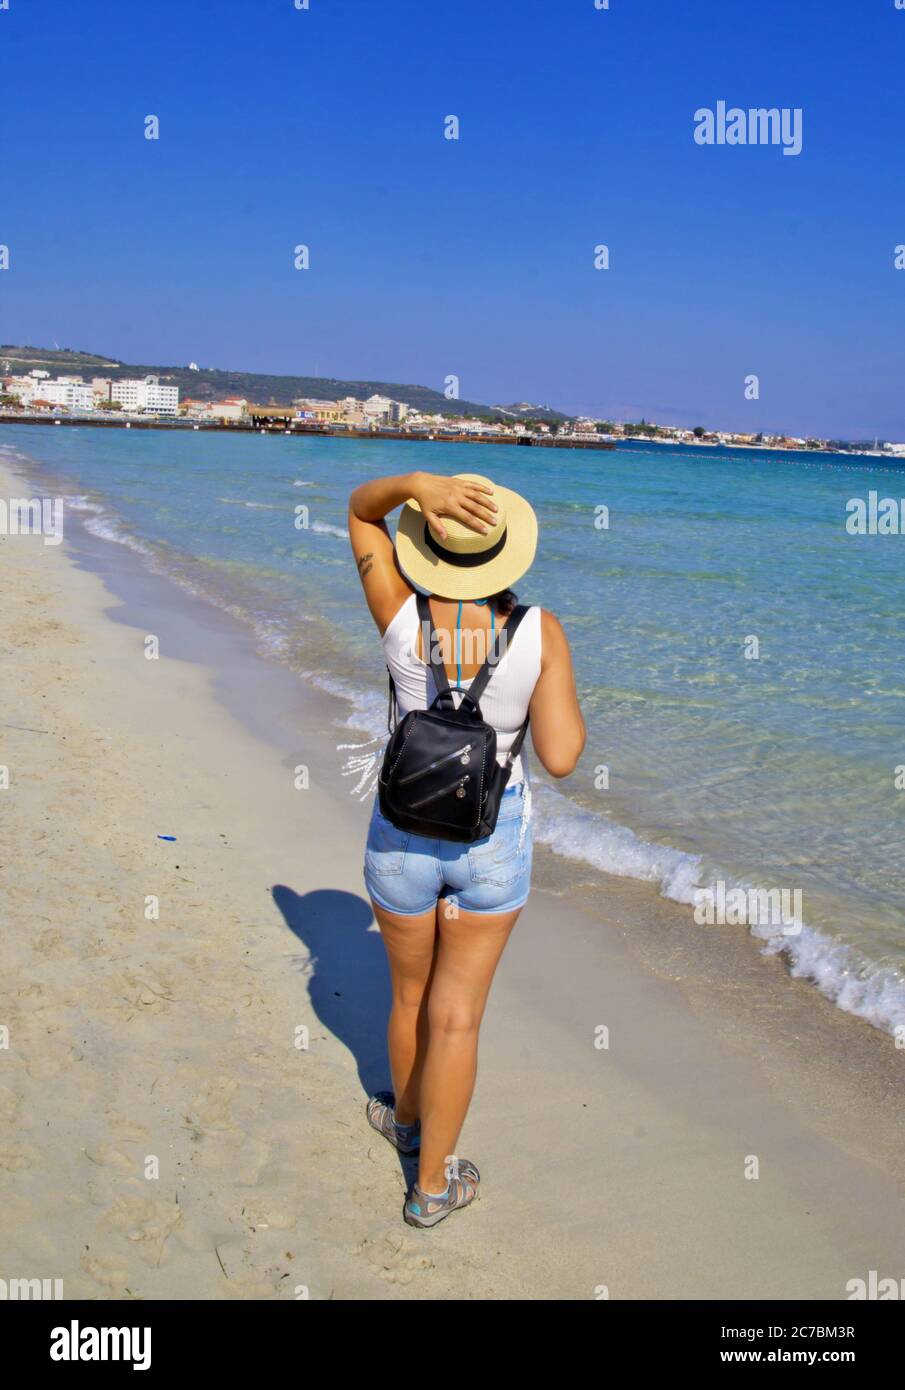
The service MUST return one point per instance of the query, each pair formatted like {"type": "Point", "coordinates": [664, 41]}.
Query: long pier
{"type": "Point", "coordinates": [266, 424]}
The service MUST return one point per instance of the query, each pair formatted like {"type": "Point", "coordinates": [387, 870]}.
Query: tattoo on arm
{"type": "Point", "coordinates": [365, 565]}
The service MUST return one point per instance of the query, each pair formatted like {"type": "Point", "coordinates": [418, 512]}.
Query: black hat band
{"type": "Point", "coordinates": [468, 560]}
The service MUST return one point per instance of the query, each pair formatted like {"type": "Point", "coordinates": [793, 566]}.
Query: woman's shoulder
{"type": "Point", "coordinates": [554, 643]}
{"type": "Point", "coordinates": [548, 621]}
{"type": "Point", "coordinates": [405, 615]}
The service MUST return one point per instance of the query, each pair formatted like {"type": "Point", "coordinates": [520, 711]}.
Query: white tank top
{"type": "Point", "coordinates": [505, 701]}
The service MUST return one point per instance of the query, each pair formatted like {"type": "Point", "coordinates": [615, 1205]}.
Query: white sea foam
{"type": "Point", "coordinates": [270, 635]}
{"type": "Point", "coordinates": [257, 506]}
{"type": "Point", "coordinates": [326, 528]}
{"type": "Point", "coordinates": [101, 522]}
{"type": "Point", "coordinates": [82, 503]}
{"type": "Point", "coordinates": [872, 992]}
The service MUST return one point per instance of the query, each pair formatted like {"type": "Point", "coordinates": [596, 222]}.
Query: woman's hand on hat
{"type": "Point", "coordinates": [469, 502]}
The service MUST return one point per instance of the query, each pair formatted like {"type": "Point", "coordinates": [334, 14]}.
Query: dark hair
{"type": "Point", "coordinates": [503, 602]}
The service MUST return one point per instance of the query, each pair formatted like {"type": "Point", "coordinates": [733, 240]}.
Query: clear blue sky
{"type": "Point", "coordinates": [475, 257]}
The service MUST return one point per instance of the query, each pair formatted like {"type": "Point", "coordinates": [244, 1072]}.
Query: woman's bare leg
{"type": "Point", "coordinates": [470, 946]}
{"type": "Point", "coordinates": [410, 946]}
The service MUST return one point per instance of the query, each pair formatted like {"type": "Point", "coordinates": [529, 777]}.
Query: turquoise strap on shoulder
{"type": "Point", "coordinates": [459, 645]}
{"type": "Point", "coordinates": [480, 603]}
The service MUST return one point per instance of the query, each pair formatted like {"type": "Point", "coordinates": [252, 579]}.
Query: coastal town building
{"type": "Point", "coordinates": [36, 392]}
{"type": "Point", "coordinates": [39, 390]}
{"type": "Point", "coordinates": [323, 411]}
{"type": "Point", "coordinates": [70, 392]}
{"type": "Point", "coordinates": [146, 395]}
{"type": "Point", "coordinates": [381, 410]}
{"type": "Point", "coordinates": [232, 408]}
{"type": "Point", "coordinates": [353, 412]}
{"type": "Point", "coordinates": [376, 410]}
{"type": "Point", "coordinates": [264, 415]}
{"type": "Point", "coordinates": [22, 387]}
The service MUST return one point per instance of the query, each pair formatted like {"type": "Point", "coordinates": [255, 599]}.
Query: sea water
{"type": "Point", "coordinates": [740, 652]}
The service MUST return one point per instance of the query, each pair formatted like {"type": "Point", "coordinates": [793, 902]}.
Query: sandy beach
{"type": "Point", "coordinates": [195, 1022]}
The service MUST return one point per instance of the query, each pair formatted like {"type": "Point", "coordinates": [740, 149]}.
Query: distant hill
{"type": "Point", "coordinates": [524, 410]}
{"type": "Point", "coordinates": [213, 383]}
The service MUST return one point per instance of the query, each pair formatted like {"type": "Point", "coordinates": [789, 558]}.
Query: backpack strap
{"type": "Point", "coordinates": [503, 638]}
{"type": "Point", "coordinates": [479, 682]}
{"type": "Point", "coordinates": [501, 644]}
{"type": "Point", "coordinates": [441, 680]}
{"type": "Point", "coordinates": [517, 744]}
{"type": "Point", "coordinates": [392, 704]}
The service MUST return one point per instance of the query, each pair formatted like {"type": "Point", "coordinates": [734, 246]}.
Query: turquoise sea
{"type": "Point", "coordinates": [740, 655]}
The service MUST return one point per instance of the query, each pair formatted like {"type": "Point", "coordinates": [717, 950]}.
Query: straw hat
{"type": "Point", "coordinates": [468, 564]}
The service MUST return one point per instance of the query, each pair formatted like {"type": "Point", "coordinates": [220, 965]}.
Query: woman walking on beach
{"type": "Point", "coordinates": [445, 908]}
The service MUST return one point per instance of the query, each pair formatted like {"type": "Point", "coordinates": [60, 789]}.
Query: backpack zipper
{"type": "Point", "coordinates": [457, 787]}
{"type": "Point", "coordinates": [438, 762]}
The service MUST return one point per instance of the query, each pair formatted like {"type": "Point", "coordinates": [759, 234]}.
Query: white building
{"type": "Point", "coordinates": [101, 386]}
{"type": "Point", "coordinates": [27, 388]}
{"type": "Point", "coordinates": [146, 395]}
{"type": "Point", "coordinates": [381, 410]}
{"type": "Point", "coordinates": [232, 408]}
{"type": "Point", "coordinates": [23, 387]}
{"type": "Point", "coordinates": [68, 391]}
{"type": "Point", "coordinates": [71, 392]}
{"type": "Point", "coordinates": [353, 412]}
{"type": "Point", "coordinates": [377, 408]}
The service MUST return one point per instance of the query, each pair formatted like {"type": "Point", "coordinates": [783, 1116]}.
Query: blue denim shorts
{"type": "Point", "coordinates": [407, 873]}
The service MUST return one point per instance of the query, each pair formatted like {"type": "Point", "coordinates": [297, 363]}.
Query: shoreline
{"type": "Point", "coordinates": [271, 425]}
{"type": "Point", "coordinates": [268, 426]}
{"type": "Point", "coordinates": [173, 1037]}
{"type": "Point", "coordinates": [869, 987]}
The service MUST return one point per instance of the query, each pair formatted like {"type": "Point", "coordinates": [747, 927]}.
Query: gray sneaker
{"type": "Point", "coordinates": [423, 1209]}
{"type": "Point", "coordinates": [405, 1138]}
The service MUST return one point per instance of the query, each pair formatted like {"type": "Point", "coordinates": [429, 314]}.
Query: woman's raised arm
{"type": "Point", "coordinates": [386, 587]}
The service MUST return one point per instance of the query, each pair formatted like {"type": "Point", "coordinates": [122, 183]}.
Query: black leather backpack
{"type": "Point", "coordinates": [440, 775]}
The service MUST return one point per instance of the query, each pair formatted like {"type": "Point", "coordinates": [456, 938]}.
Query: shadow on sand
{"type": "Point", "coordinates": [348, 981]}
